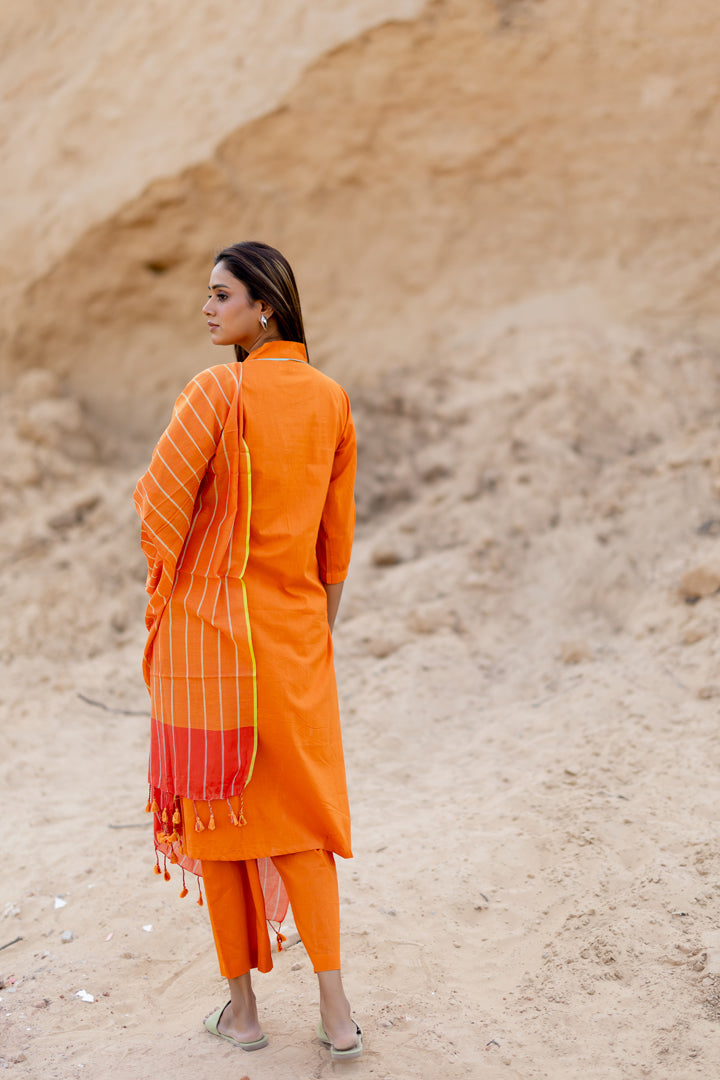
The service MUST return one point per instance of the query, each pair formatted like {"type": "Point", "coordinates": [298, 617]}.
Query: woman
{"type": "Point", "coordinates": [247, 521]}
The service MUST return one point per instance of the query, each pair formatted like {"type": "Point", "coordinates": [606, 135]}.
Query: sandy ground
{"type": "Point", "coordinates": [530, 688]}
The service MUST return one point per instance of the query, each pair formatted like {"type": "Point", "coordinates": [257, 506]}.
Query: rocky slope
{"type": "Point", "coordinates": [423, 166]}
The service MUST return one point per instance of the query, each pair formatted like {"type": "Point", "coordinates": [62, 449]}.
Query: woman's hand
{"type": "Point", "coordinates": [333, 593]}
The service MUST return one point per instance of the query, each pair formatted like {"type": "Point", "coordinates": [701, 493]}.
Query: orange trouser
{"type": "Point", "coordinates": [237, 910]}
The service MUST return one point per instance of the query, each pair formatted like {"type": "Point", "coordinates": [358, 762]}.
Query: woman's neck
{"type": "Point", "coordinates": [263, 338]}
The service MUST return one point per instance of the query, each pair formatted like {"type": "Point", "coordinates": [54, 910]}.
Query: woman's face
{"type": "Point", "coordinates": [233, 318]}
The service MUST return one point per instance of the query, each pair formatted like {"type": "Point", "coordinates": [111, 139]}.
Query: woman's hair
{"type": "Point", "coordinates": [267, 276]}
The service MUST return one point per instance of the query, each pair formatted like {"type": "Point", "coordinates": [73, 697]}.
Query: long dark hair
{"type": "Point", "coordinates": [267, 276]}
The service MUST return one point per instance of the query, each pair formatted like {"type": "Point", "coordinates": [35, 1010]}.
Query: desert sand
{"type": "Point", "coordinates": [502, 216]}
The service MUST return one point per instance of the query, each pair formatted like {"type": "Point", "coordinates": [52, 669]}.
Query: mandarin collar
{"type": "Point", "coordinates": [279, 350]}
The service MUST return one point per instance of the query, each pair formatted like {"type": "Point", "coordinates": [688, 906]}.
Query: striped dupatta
{"type": "Point", "coordinates": [194, 503]}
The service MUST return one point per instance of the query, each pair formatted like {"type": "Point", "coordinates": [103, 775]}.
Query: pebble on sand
{"type": "Point", "coordinates": [574, 652]}
{"type": "Point", "coordinates": [386, 556]}
{"type": "Point", "coordinates": [700, 581]}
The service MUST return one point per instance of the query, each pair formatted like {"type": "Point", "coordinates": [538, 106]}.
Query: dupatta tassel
{"type": "Point", "coordinates": [200, 901]}
{"type": "Point", "coordinates": [211, 822]}
{"type": "Point", "coordinates": [199, 827]}
{"type": "Point", "coordinates": [233, 815]}
{"type": "Point", "coordinates": [183, 891]}
{"type": "Point", "coordinates": [280, 939]}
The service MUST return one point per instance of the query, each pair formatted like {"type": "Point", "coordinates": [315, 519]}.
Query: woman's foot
{"type": "Point", "coordinates": [212, 1023]}
{"type": "Point", "coordinates": [354, 1051]}
{"type": "Point", "coordinates": [239, 1019]}
{"type": "Point", "coordinates": [340, 1028]}
{"type": "Point", "coordinates": [243, 1028]}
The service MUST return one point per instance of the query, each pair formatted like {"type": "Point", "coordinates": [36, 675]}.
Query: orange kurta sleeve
{"type": "Point", "coordinates": [337, 525]}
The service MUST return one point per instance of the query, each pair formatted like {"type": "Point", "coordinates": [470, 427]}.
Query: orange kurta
{"type": "Point", "coordinates": [243, 626]}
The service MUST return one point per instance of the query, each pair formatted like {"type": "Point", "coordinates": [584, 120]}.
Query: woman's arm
{"type": "Point", "coordinates": [337, 524]}
{"type": "Point", "coordinates": [335, 534]}
{"type": "Point", "coordinates": [333, 593]}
